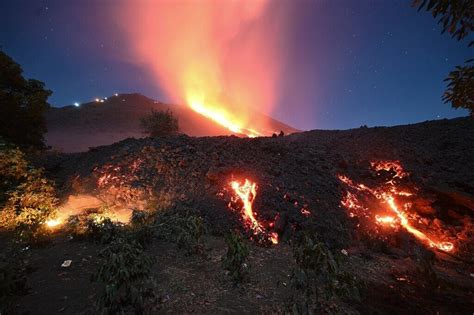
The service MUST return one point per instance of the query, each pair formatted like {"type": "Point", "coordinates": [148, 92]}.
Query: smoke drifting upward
{"type": "Point", "coordinates": [221, 58]}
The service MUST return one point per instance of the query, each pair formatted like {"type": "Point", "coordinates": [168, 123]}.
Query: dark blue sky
{"type": "Point", "coordinates": [362, 62]}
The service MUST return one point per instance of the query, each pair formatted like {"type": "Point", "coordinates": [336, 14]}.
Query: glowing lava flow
{"type": "Point", "coordinates": [221, 117]}
{"type": "Point", "coordinates": [247, 193]}
{"type": "Point", "coordinates": [387, 194]}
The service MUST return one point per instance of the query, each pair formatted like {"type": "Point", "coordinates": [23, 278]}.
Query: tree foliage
{"type": "Point", "coordinates": [460, 91]}
{"type": "Point", "coordinates": [27, 198]}
{"type": "Point", "coordinates": [159, 123]}
{"type": "Point", "coordinates": [457, 18]}
{"type": "Point", "coordinates": [23, 104]}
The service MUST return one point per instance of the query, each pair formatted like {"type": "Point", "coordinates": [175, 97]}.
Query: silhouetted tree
{"type": "Point", "coordinates": [457, 18]}
{"type": "Point", "coordinates": [23, 104]}
{"type": "Point", "coordinates": [159, 123]}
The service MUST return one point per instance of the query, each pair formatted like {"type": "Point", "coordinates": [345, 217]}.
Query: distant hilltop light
{"type": "Point", "coordinates": [116, 94]}
{"type": "Point", "coordinates": [97, 100]}
{"type": "Point", "coordinates": [76, 104]}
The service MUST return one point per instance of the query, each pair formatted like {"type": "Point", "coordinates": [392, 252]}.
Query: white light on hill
{"type": "Point", "coordinates": [76, 104]}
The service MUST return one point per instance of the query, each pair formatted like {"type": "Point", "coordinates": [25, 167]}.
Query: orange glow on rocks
{"type": "Point", "coordinates": [388, 195]}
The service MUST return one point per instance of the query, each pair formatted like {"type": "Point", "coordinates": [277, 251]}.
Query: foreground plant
{"type": "Point", "coordinates": [319, 279]}
{"type": "Point", "coordinates": [181, 227]}
{"type": "Point", "coordinates": [235, 261]}
{"type": "Point", "coordinates": [125, 273]}
{"type": "Point", "coordinates": [27, 198]}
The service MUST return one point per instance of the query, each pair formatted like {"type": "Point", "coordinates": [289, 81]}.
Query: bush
{"type": "Point", "coordinates": [318, 277]}
{"type": "Point", "coordinates": [182, 228]}
{"type": "Point", "coordinates": [103, 231]}
{"type": "Point", "coordinates": [141, 228]}
{"type": "Point", "coordinates": [159, 123]}
{"type": "Point", "coordinates": [125, 274]}
{"type": "Point", "coordinates": [28, 198]}
{"type": "Point", "coordinates": [235, 261]}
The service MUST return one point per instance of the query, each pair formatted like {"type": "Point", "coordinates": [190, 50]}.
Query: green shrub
{"type": "Point", "coordinates": [183, 228]}
{"type": "Point", "coordinates": [159, 123]}
{"type": "Point", "coordinates": [318, 277]}
{"type": "Point", "coordinates": [125, 273]}
{"type": "Point", "coordinates": [235, 261]}
{"type": "Point", "coordinates": [141, 228]}
{"type": "Point", "coordinates": [102, 231]}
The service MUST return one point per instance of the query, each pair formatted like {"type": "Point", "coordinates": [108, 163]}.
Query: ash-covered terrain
{"type": "Point", "coordinates": [419, 178]}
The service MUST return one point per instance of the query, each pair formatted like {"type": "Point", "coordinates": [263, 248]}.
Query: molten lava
{"type": "Point", "coordinates": [247, 193]}
{"type": "Point", "coordinates": [387, 194]}
{"type": "Point", "coordinates": [220, 116]}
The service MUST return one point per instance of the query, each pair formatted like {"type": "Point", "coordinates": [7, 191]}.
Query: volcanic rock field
{"type": "Point", "coordinates": [298, 189]}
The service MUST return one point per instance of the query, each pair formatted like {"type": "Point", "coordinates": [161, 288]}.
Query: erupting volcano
{"type": "Point", "coordinates": [220, 58]}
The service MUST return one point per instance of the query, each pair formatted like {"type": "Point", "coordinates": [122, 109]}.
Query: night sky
{"type": "Point", "coordinates": [363, 62]}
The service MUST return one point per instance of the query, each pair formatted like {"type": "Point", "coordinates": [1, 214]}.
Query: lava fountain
{"type": "Point", "coordinates": [399, 214]}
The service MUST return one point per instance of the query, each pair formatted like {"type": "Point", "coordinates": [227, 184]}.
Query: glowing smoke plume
{"type": "Point", "coordinates": [221, 58]}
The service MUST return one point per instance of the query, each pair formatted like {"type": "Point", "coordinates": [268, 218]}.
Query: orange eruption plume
{"type": "Point", "coordinates": [387, 193]}
{"type": "Point", "coordinates": [220, 58]}
{"type": "Point", "coordinates": [247, 193]}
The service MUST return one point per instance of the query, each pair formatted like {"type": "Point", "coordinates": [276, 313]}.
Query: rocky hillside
{"type": "Point", "coordinates": [75, 129]}
{"type": "Point", "coordinates": [334, 184]}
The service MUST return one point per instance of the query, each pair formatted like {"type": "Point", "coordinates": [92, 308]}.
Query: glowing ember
{"type": "Point", "coordinates": [385, 219]}
{"type": "Point", "coordinates": [305, 212]}
{"type": "Point", "coordinates": [274, 237]}
{"type": "Point", "coordinates": [389, 166]}
{"type": "Point", "coordinates": [387, 194]}
{"type": "Point", "coordinates": [53, 223]}
{"type": "Point", "coordinates": [247, 193]}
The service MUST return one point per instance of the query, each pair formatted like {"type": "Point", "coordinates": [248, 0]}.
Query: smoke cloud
{"type": "Point", "coordinates": [221, 58]}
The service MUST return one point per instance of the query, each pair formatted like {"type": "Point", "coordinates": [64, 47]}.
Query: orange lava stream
{"type": "Point", "coordinates": [247, 193]}
{"type": "Point", "coordinates": [351, 202]}
{"type": "Point", "coordinates": [445, 246]}
{"type": "Point", "coordinates": [221, 117]}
